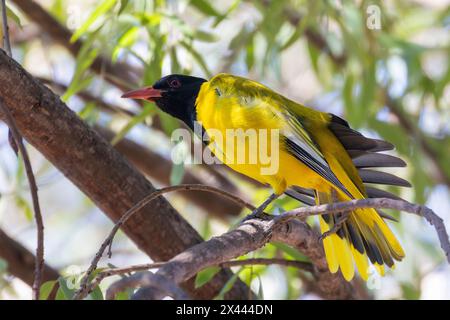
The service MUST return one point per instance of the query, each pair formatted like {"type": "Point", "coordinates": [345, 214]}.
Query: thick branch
{"type": "Point", "coordinates": [21, 261]}
{"type": "Point", "coordinates": [99, 171]}
{"type": "Point", "coordinates": [18, 142]}
{"type": "Point", "coordinates": [5, 28]}
{"type": "Point", "coordinates": [157, 167]}
{"type": "Point", "coordinates": [253, 234]}
{"type": "Point", "coordinates": [82, 292]}
{"type": "Point", "coordinates": [377, 203]}
{"type": "Point", "coordinates": [87, 97]}
{"type": "Point", "coordinates": [160, 285]}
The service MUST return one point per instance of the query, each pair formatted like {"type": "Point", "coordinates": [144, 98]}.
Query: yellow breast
{"type": "Point", "coordinates": [244, 135]}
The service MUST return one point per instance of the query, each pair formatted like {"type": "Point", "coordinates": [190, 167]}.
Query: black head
{"type": "Point", "coordinates": [174, 94]}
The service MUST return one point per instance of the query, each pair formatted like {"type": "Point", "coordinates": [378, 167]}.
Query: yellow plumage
{"type": "Point", "coordinates": [230, 102]}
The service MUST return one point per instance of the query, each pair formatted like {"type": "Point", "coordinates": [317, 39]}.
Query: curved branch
{"type": "Point", "coordinates": [21, 262]}
{"type": "Point", "coordinates": [82, 292]}
{"type": "Point", "coordinates": [253, 234]}
{"type": "Point", "coordinates": [305, 266]}
{"type": "Point", "coordinates": [99, 171]}
{"type": "Point", "coordinates": [39, 261]}
{"type": "Point", "coordinates": [376, 203]}
{"type": "Point", "coordinates": [160, 285]}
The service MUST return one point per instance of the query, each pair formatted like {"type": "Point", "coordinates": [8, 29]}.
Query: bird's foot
{"type": "Point", "coordinates": [337, 225]}
{"type": "Point", "coordinates": [259, 213]}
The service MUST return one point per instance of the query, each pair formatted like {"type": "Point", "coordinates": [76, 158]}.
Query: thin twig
{"type": "Point", "coordinates": [6, 41]}
{"type": "Point", "coordinates": [302, 265]}
{"type": "Point", "coordinates": [108, 241]}
{"type": "Point", "coordinates": [88, 97]}
{"type": "Point", "coordinates": [119, 271]}
{"type": "Point", "coordinates": [255, 233]}
{"type": "Point", "coordinates": [376, 203]}
{"type": "Point", "coordinates": [39, 262]}
{"type": "Point", "coordinates": [337, 225]}
{"type": "Point", "coordinates": [159, 283]}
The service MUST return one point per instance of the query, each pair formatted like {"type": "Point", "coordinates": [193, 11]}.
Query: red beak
{"type": "Point", "coordinates": [148, 93]}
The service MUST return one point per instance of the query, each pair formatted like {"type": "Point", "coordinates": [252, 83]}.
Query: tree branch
{"type": "Point", "coordinates": [376, 203]}
{"type": "Point", "coordinates": [21, 262]}
{"type": "Point", "coordinates": [253, 234]}
{"type": "Point", "coordinates": [159, 168]}
{"type": "Point", "coordinates": [82, 292]}
{"type": "Point", "coordinates": [160, 285]}
{"type": "Point", "coordinates": [99, 171]}
{"type": "Point", "coordinates": [140, 281]}
{"type": "Point", "coordinates": [305, 266]}
{"type": "Point", "coordinates": [6, 41]}
{"type": "Point", "coordinates": [88, 97]}
{"type": "Point", "coordinates": [39, 263]}
{"type": "Point", "coordinates": [117, 74]}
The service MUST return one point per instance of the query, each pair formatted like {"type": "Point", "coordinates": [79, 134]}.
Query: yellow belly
{"type": "Point", "coordinates": [228, 114]}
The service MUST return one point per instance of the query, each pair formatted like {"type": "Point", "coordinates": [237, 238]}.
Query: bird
{"type": "Point", "coordinates": [322, 160]}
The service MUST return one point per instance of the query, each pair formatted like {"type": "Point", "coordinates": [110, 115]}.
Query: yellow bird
{"type": "Point", "coordinates": [320, 159]}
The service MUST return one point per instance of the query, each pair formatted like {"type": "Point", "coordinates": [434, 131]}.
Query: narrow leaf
{"type": "Point", "coordinates": [205, 276]}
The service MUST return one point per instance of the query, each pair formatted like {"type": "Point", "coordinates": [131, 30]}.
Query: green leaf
{"type": "Point", "coordinates": [23, 204]}
{"type": "Point", "coordinates": [260, 289]}
{"type": "Point", "coordinates": [250, 54]}
{"type": "Point", "coordinates": [204, 36]}
{"type": "Point", "coordinates": [12, 15]}
{"type": "Point", "coordinates": [85, 58]}
{"type": "Point", "coordinates": [3, 265]}
{"type": "Point", "coordinates": [123, 295]}
{"type": "Point", "coordinates": [228, 285]}
{"type": "Point", "coordinates": [125, 40]}
{"type": "Point", "coordinates": [291, 252]}
{"type": "Point", "coordinates": [46, 289]}
{"type": "Point", "coordinates": [410, 292]}
{"type": "Point", "coordinates": [367, 93]}
{"type": "Point", "coordinates": [176, 174]}
{"type": "Point", "coordinates": [123, 5]}
{"type": "Point", "coordinates": [299, 31]}
{"type": "Point", "coordinates": [205, 276]}
{"type": "Point", "coordinates": [205, 7]}
{"type": "Point", "coordinates": [222, 17]}
{"type": "Point", "coordinates": [133, 122]}
{"type": "Point", "coordinates": [89, 113]}
{"type": "Point", "coordinates": [96, 294]}
{"type": "Point", "coordinates": [64, 291]}
{"type": "Point", "coordinates": [175, 66]}
{"type": "Point", "coordinates": [101, 9]}
{"type": "Point", "coordinates": [198, 57]}
{"type": "Point", "coordinates": [168, 122]}
{"type": "Point", "coordinates": [314, 57]}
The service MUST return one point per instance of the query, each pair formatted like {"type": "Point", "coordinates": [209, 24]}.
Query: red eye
{"type": "Point", "coordinates": [175, 83]}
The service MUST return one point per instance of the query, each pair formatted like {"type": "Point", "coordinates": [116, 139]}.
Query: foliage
{"type": "Point", "coordinates": [391, 82]}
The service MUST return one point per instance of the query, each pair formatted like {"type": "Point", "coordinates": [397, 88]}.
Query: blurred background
{"type": "Point", "coordinates": [382, 65]}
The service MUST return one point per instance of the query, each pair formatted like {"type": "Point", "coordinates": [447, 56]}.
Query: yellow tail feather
{"type": "Point", "coordinates": [364, 236]}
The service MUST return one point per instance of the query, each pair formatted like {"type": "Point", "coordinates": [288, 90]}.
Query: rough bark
{"type": "Point", "coordinates": [98, 170]}
{"type": "Point", "coordinates": [157, 167]}
{"type": "Point", "coordinates": [21, 261]}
